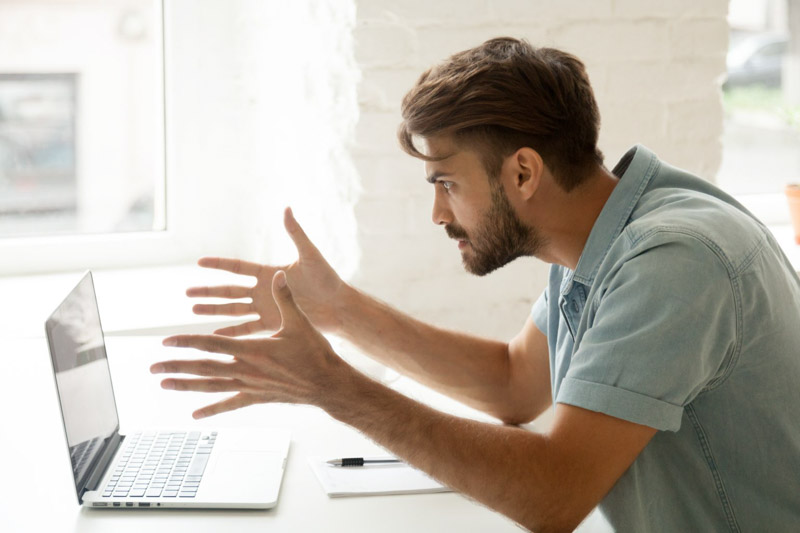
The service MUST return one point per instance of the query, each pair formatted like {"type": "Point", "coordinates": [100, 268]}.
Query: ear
{"type": "Point", "coordinates": [526, 168]}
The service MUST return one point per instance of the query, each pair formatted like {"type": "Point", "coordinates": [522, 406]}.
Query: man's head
{"type": "Point", "coordinates": [503, 95]}
{"type": "Point", "coordinates": [506, 103]}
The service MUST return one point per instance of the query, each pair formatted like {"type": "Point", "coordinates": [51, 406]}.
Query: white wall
{"type": "Point", "coordinates": [655, 66]}
{"type": "Point", "coordinates": [261, 97]}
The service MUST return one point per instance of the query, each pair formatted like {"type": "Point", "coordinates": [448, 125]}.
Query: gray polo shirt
{"type": "Point", "coordinates": [683, 314]}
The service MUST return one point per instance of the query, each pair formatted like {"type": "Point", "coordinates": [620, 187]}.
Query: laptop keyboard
{"type": "Point", "coordinates": [161, 465]}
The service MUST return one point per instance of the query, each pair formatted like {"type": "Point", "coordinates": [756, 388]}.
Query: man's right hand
{"type": "Point", "coordinates": [315, 285]}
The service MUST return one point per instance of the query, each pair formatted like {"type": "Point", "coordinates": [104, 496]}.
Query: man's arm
{"type": "Point", "coordinates": [546, 482]}
{"type": "Point", "coordinates": [510, 381]}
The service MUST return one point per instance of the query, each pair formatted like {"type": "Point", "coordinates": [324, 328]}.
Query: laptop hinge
{"type": "Point", "coordinates": [102, 463]}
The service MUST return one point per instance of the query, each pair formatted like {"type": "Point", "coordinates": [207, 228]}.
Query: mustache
{"type": "Point", "coordinates": [455, 232]}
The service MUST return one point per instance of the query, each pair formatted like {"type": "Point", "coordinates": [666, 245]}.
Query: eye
{"type": "Point", "coordinates": [446, 184]}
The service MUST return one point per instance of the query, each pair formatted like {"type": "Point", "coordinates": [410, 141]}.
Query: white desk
{"type": "Point", "coordinates": [37, 491]}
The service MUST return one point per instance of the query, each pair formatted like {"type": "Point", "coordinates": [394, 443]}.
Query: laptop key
{"type": "Point", "coordinates": [198, 465]}
{"type": "Point", "coordinates": [137, 493]}
{"type": "Point", "coordinates": [153, 493]}
{"type": "Point", "coordinates": [170, 493]}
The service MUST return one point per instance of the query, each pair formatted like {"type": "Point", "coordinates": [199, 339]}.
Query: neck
{"type": "Point", "coordinates": [570, 217]}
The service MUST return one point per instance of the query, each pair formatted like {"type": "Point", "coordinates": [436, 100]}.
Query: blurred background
{"type": "Point", "coordinates": [761, 95]}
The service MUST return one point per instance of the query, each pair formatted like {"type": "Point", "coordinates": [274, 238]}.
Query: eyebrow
{"type": "Point", "coordinates": [436, 175]}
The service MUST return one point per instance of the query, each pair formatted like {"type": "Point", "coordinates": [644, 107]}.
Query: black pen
{"type": "Point", "coordinates": [360, 461]}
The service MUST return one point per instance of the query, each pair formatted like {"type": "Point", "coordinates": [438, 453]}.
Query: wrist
{"type": "Point", "coordinates": [345, 302]}
{"type": "Point", "coordinates": [345, 391]}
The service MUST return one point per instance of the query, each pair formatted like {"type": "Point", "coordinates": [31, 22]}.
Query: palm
{"type": "Point", "coordinates": [313, 282]}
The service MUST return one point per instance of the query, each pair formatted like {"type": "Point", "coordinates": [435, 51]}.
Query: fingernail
{"type": "Point", "coordinates": [156, 369]}
{"type": "Point", "coordinates": [169, 385]}
{"type": "Point", "coordinates": [170, 341]}
{"type": "Point", "coordinates": [198, 416]}
{"type": "Point", "coordinates": [281, 279]}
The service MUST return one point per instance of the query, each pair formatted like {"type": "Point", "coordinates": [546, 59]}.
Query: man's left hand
{"type": "Point", "coordinates": [295, 365]}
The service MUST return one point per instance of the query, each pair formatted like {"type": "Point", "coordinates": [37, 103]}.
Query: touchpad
{"type": "Point", "coordinates": [238, 466]}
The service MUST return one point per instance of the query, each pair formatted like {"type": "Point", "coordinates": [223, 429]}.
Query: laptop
{"type": "Point", "coordinates": [194, 468]}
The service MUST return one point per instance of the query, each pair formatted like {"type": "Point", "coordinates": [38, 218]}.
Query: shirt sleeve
{"type": "Point", "coordinates": [539, 312]}
{"type": "Point", "coordinates": [664, 328]}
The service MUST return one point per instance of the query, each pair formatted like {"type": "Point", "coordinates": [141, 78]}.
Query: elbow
{"type": "Point", "coordinates": [558, 520]}
{"type": "Point", "coordinates": [517, 418]}
{"type": "Point", "coordinates": [551, 527]}
{"type": "Point", "coordinates": [520, 412]}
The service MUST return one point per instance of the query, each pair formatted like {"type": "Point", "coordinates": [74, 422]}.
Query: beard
{"type": "Point", "coordinates": [500, 237]}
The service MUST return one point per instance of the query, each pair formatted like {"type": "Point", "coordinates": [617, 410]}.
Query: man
{"type": "Point", "coordinates": [667, 338]}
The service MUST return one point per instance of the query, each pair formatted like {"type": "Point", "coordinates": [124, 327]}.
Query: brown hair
{"type": "Point", "coordinates": [504, 95]}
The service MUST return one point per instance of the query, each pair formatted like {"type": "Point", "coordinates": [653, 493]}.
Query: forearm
{"type": "Point", "coordinates": [470, 369]}
{"type": "Point", "coordinates": [505, 468]}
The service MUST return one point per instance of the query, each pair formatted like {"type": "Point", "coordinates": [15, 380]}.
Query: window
{"type": "Point", "coordinates": [80, 108]}
{"type": "Point", "coordinates": [38, 186]}
{"type": "Point", "coordinates": [81, 129]}
{"type": "Point", "coordinates": [761, 139]}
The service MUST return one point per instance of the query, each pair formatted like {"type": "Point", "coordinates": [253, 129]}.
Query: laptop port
{"type": "Point", "coordinates": [144, 505]}
{"type": "Point", "coordinates": [128, 504]}
{"type": "Point", "coordinates": [100, 504]}
{"type": "Point", "coordinates": [116, 504]}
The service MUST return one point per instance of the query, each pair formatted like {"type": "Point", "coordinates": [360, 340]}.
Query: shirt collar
{"type": "Point", "coordinates": [635, 170]}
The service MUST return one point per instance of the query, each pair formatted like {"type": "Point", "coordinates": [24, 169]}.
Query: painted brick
{"type": "Point", "coordinates": [695, 120]}
{"type": "Point", "coordinates": [698, 38]}
{"type": "Point", "coordinates": [635, 121]}
{"type": "Point", "coordinates": [383, 89]}
{"type": "Point", "coordinates": [381, 216]}
{"type": "Point", "coordinates": [437, 44]}
{"type": "Point", "coordinates": [543, 12]}
{"type": "Point", "coordinates": [614, 41]}
{"type": "Point", "coordinates": [384, 44]}
{"type": "Point", "coordinates": [426, 12]}
{"type": "Point", "coordinates": [376, 132]}
{"type": "Point", "coordinates": [395, 174]}
{"type": "Point", "coordinates": [666, 80]}
{"type": "Point", "coordinates": [674, 9]}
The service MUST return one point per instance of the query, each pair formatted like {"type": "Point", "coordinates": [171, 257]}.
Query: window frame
{"type": "Point", "coordinates": [173, 244]}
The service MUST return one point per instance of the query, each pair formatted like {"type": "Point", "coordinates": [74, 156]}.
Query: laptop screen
{"type": "Point", "coordinates": [83, 379]}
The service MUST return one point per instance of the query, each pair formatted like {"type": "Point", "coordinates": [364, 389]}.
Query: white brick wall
{"type": "Point", "coordinates": [655, 67]}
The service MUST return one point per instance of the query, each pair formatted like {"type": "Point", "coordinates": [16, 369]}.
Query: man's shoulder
{"type": "Point", "coordinates": [703, 223]}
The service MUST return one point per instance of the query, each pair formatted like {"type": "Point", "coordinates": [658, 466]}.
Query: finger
{"type": "Point", "coordinates": [235, 309]}
{"type": "Point", "coordinates": [197, 367]}
{"type": "Point", "coordinates": [202, 384]}
{"type": "Point", "coordinates": [224, 291]}
{"type": "Point", "coordinates": [207, 343]}
{"type": "Point", "coordinates": [284, 299]}
{"type": "Point", "coordinates": [240, 329]}
{"type": "Point", "coordinates": [237, 266]}
{"type": "Point", "coordinates": [229, 404]}
{"type": "Point", "coordinates": [298, 236]}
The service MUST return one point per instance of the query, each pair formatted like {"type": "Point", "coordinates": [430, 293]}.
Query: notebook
{"type": "Point", "coordinates": [373, 480]}
{"type": "Point", "coordinates": [190, 468]}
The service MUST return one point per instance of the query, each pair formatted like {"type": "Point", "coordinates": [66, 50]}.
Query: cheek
{"type": "Point", "coordinates": [467, 215]}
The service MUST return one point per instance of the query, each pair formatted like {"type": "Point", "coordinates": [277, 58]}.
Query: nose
{"type": "Point", "coordinates": [441, 213]}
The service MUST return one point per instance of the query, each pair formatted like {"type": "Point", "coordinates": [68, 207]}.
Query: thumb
{"type": "Point", "coordinates": [282, 295]}
{"type": "Point", "coordinates": [298, 236]}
